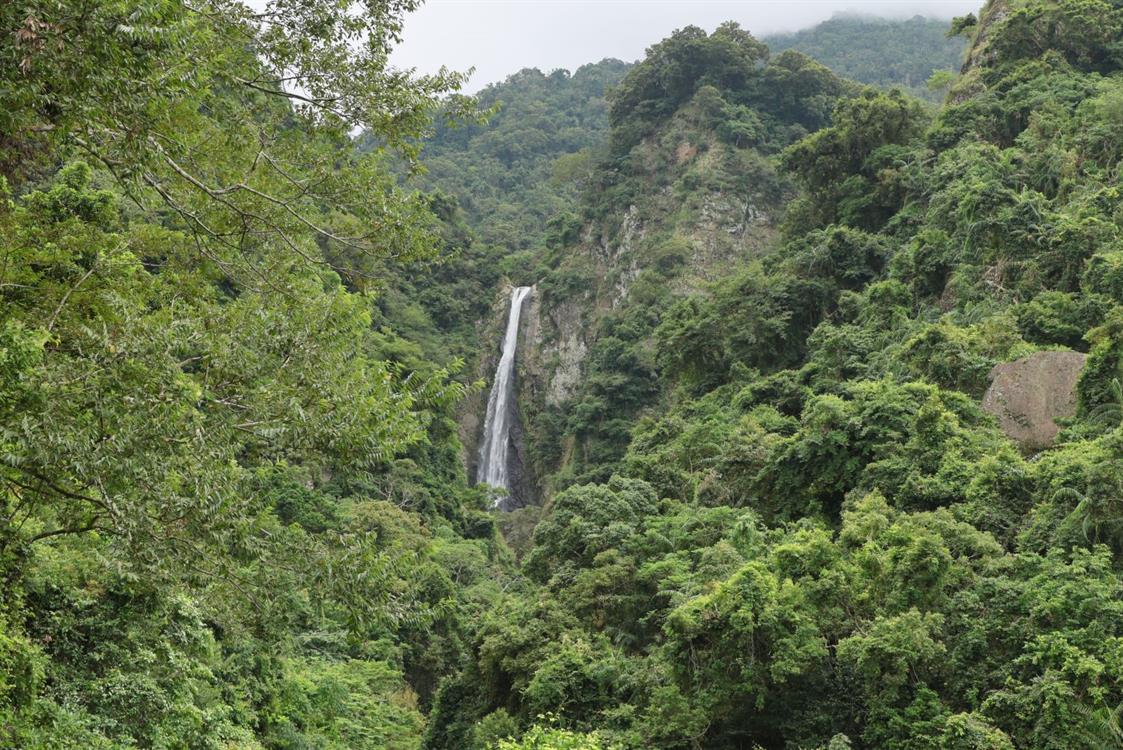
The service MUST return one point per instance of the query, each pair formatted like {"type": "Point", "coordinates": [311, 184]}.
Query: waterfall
{"type": "Point", "coordinates": [492, 467]}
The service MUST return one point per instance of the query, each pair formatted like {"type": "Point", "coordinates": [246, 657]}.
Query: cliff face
{"type": "Point", "coordinates": [555, 349]}
{"type": "Point", "coordinates": [978, 54]}
{"type": "Point", "coordinates": [678, 187]}
{"type": "Point", "coordinates": [686, 237]}
{"type": "Point", "coordinates": [685, 190]}
{"type": "Point", "coordinates": [696, 207]}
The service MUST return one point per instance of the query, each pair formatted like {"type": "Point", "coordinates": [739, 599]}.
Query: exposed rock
{"type": "Point", "coordinates": [979, 54]}
{"type": "Point", "coordinates": [524, 484]}
{"type": "Point", "coordinates": [685, 152]}
{"type": "Point", "coordinates": [682, 226]}
{"type": "Point", "coordinates": [1029, 395]}
{"type": "Point", "coordinates": [624, 282]}
{"type": "Point", "coordinates": [631, 230]}
{"type": "Point", "coordinates": [555, 350]}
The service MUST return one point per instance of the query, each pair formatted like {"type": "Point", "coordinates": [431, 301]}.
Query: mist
{"type": "Point", "coordinates": [500, 37]}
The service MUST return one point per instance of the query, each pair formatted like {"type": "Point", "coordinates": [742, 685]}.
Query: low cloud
{"type": "Point", "coordinates": [500, 37]}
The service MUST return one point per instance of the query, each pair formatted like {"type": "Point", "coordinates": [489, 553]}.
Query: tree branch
{"type": "Point", "coordinates": [92, 526]}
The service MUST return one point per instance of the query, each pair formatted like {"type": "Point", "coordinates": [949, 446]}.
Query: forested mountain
{"type": "Point", "coordinates": [783, 504]}
{"type": "Point", "coordinates": [690, 188]}
{"type": "Point", "coordinates": [507, 188]}
{"type": "Point", "coordinates": [779, 516]}
{"type": "Point", "coordinates": [879, 51]}
{"type": "Point", "coordinates": [528, 161]}
{"type": "Point", "coordinates": [545, 133]}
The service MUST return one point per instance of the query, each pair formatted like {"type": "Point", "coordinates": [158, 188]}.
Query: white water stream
{"type": "Point", "coordinates": [493, 461]}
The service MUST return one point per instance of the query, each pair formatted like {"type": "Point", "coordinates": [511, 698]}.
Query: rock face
{"type": "Point", "coordinates": [1028, 396]}
{"type": "Point", "coordinates": [524, 484]}
{"type": "Point", "coordinates": [689, 206]}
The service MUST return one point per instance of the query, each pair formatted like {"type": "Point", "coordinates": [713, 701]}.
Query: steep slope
{"type": "Point", "coordinates": [526, 163]}
{"type": "Point", "coordinates": [688, 191]}
{"type": "Point", "coordinates": [704, 193]}
{"type": "Point", "coordinates": [512, 185]}
{"type": "Point", "coordinates": [547, 131]}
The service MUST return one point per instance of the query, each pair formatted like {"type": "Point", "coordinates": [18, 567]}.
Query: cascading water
{"type": "Point", "coordinates": [493, 462]}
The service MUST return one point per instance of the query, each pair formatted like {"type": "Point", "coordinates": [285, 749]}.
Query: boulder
{"type": "Point", "coordinates": [1029, 395]}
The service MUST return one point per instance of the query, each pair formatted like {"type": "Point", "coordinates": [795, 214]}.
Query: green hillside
{"type": "Point", "coordinates": [879, 51]}
{"type": "Point", "coordinates": [509, 187]}
{"type": "Point", "coordinates": [818, 385]}
{"type": "Point", "coordinates": [780, 517]}
{"type": "Point", "coordinates": [526, 163]}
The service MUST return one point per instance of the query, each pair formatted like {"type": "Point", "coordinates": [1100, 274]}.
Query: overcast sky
{"type": "Point", "coordinates": [500, 37]}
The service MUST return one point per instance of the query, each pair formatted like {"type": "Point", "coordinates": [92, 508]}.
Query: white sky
{"type": "Point", "coordinates": [500, 37]}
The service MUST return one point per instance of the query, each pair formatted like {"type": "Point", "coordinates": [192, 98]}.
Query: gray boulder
{"type": "Point", "coordinates": [1029, 395]}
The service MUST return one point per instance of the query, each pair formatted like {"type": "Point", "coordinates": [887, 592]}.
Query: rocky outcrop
{"type": "Point", "coordinates": [683, 208]}
{"type": "Point", "coordinates": [1029, 395]}
{"type": "Point", "coordinates": [524, 484]}
{"type": "Point", "coordinates": [979, 53]}
{"type": "Point", "coordinates": [554, 350]}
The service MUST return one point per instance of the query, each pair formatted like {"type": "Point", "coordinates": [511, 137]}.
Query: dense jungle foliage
{"type": "Point", "coordinates": [232, 513]}
{"type": "Point", "coordinates": [504, 187]}
{"type": "Point", "coordinates": [780, 517]}
{"type": "Point", "coordinates": [234, 505]}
